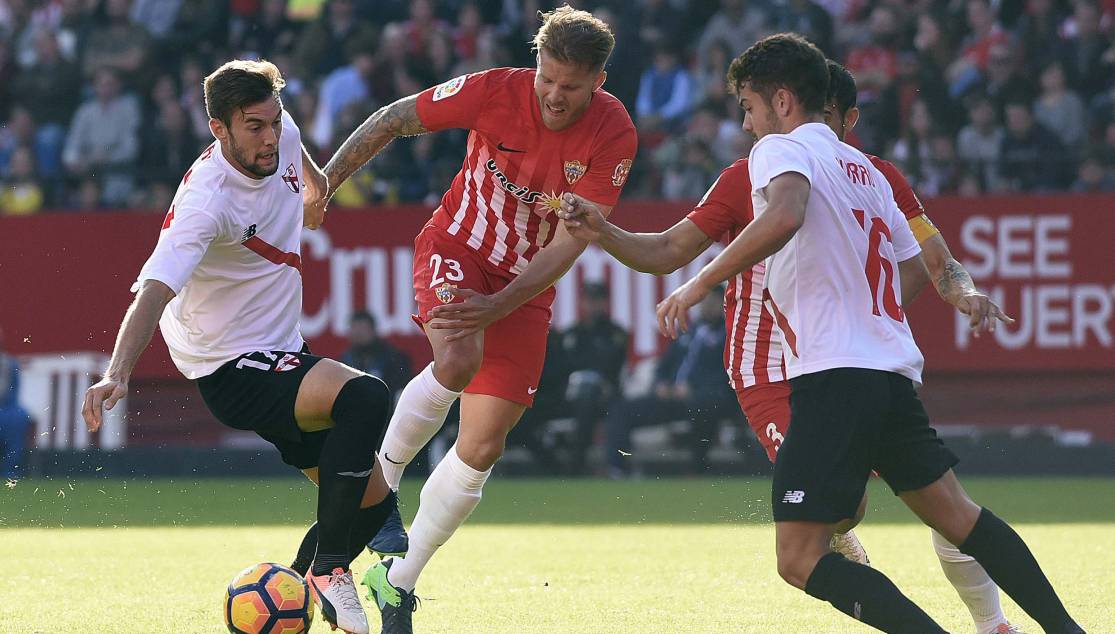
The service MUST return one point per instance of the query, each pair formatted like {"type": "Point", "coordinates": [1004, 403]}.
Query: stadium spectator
{"type": "Point", "coordinates": [1031, 158]}
{"type": "Point", "coordinates": [912, 152]}
{"type": "Point", "coordinates": [976, 49]}
{"type": "Point", "coordinates": [169, 147]}
{"type": "Point", "coordinates": [1059, 108]}
{"type": "Point", "coordinates": [664, 92]}
{"type": "Point", "coordinates": [322, 46]}
{"type": "Point", "coordinates": [157, 17]}
{"type": "Point", "coordinates": [709, 80]}
{"type": "Point", "coordinates": [422, 26]}
{"type": "Point", "coordinates": [470, 30]}
{"type": "Point", "coordinates": [693, 172]}
{"type": "Point", "coordinates": [1037, 30]}
{"type": "Point", "coordinates": [17, 132]}
{"type": "Point", "coordinates": [118, 46]}
{"type": "Point", "coordinates": [14, 420]}
{"type": "Point", "coordinates": [50, 88]}
{"type": "Point", "coordinates": [689, 385]}
{"type": "Point", "coordinates": [202, 28]}
{"type": "Point", "coordinates": [268, 32]}
{"type": "Point", "coordinates": [347, 84]}
{"type": "Point", "coordinates": [808, 19]}
{"type": "Point", "coordinates": [980, 141]}
{"type": "Point", "coordinates": [1083, 51]}
{"type": "Point", "coordinates": [581, 380]}
{"type": "Point", "coordinates": [740, 23]}
{"type": "Point", "coordinates": [1003, 80]}
{"type": "Point", "coordinates": [191, 78]}
{"type": "Point", "coordinates": [874, 65]}
{"type": "Point", "coordinates": [20, 193]}
{"type": "Point", "coordinates": [1095, 175]}
{"type": "Point", "coordinates": [103, 139]}
{"type": "Point", "coordinates": [368, 352]}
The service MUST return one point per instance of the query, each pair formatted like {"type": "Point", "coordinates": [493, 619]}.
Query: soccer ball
{"type": "Point", "coordinates": [268, 599]}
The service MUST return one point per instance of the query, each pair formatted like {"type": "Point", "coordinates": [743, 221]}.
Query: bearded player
{"type": "Point", "coordinates": [224, 284]}
{"type": "Point", "coordinates": [485, 265]}
{"type": "Point", "coordinates": [836, 248]}
{"type": "Point", "coordinates": [753, 355]}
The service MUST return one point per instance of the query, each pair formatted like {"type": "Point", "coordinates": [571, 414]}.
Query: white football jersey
{"type": "Point", "coordinates": [834, 288]}
{"type": "Point", "coordinates": [230, 250]}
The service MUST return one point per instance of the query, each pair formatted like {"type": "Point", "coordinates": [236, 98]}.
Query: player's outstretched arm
{"type": "Point", "coordinates": [546, 267]}
{"type": "Point", "coordinates": [315, 189]}
{"type": "Point", "coordinates": [956, 287]}
{"type": "Point", "coordinates": [391, 121]}
{"type": "Point", "coordinates": [655, 253]}
{"type": "Point", "coordinates": [135, 333]}
{"type": "Point", "coordinates": [788, 194]}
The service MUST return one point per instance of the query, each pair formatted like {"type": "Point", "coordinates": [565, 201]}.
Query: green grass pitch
{"type": "Point", "coordinates": [692, 556]}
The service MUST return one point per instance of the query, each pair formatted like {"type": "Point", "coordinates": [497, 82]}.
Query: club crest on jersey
{"type": "Point", "coordinates": [574, 170]}
{"type": "Point", "coordinates": [445, 292]}
{"type": "Point", "coordinates": [288, 363]}
{"type": "Point", "coordinates": [449, 88]}
{"type": "Point", "coordinates": [290, 177]}
{"type": "Point", "coordinates": [619, 177]}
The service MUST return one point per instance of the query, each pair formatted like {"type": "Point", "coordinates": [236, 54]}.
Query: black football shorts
{"type": "Point", "coordinates": [256, 392]}
{"type": "Point", "coordinates": [844, 423]}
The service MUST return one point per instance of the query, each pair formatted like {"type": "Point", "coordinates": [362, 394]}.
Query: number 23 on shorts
{"type": "Point", "coordinates": [453, 271]}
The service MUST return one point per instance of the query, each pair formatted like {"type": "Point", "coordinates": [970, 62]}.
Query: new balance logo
{"type": "Point", "coordinates": [793, 497]}
{"type": "Point", "coordinates": [249, 232]}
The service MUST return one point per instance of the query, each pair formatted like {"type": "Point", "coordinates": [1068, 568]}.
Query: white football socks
{"type": "Point", "coordinates": [975, 588]}
{"type": "Point", "coordinates": [419, 415]}
{"type": "Point", "coordinates": [450, 495]}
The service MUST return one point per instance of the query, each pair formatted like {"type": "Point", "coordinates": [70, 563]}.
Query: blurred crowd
{"type": "Point", "coordinates": [101, 100]}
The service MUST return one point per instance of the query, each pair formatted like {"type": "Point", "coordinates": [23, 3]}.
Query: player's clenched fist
{"type": "Point", "coordinates": [582, 219]}
{"type": "Point", "coordinates": [106, 391]}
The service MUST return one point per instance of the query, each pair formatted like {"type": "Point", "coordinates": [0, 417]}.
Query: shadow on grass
{"type": "Point", "coordinates": [92, 503]}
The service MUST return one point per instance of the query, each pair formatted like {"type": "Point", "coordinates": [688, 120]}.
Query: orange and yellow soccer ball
{"type": "Point", "coordinates": [268, 599]}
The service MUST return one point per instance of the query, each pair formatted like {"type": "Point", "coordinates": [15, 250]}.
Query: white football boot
{"type": "Point", "coordinates": [335, 594]}
{"type": "Point", "coordinates": [849, 546]}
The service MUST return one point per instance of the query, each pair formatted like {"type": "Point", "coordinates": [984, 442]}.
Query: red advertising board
{"type": "Point", "coordinates": [65, 280]}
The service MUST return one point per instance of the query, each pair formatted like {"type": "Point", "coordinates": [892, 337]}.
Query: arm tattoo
{"type": "Point", "coordinates": [954, 282]}
{"type": "Point", "coordinates": [395, 120]}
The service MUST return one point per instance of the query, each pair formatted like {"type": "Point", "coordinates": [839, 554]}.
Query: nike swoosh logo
{"type": "Point", "coordinates": [390, 460]}
{"type": "Point", "coordinates": [507, 149]}
{"type": "Point", "coordinates": [531, 390]}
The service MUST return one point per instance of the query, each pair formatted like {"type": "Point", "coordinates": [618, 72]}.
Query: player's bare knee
{"type": "Point", "coordinates": [794, 567]}
{"type": "Point", "coordinates": [456, 366]}
{"type": "Point", "coordinates": [481, 454]}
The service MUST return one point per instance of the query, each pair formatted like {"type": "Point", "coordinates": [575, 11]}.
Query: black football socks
{"type": "Point", "coordinates": [865, 594]}
{"type": "Point", "coordinates": [306, 551]}
{"type": "Point", "coordinates": [1011, 565]}
{"type": "Point", "coordinates": [348, 458]}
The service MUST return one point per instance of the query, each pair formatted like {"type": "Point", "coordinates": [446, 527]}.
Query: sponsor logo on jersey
{"type": "Point", "coordinates": [619, 177]}
{"type": "Point", "coordinates": [290, 177]}
{"type": "Point", "coordinates": [288, 363]}
{"type": "Point", "coordinates": [793, 497]}
{"type": "Point", "coordinates": [449, 88]}
{"type": "Point", "coordinates": [522, 193]}
{"type": "Point", "coordinates": [248, 233]}
{"type": "Point", "coordinates": [445, 292]}
{"type": "Point", "coordinates": [574, 170]}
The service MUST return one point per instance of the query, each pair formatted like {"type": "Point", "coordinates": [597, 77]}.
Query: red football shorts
{"type": "Point", "coordinates": [515, 346]}
{"type": "Point", "coordinates": [767, 407]}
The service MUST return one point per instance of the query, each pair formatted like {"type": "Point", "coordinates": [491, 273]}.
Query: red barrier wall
{"type": "Point", "coordinates": [1046, 259]}
{"type": "Point", "coordinates": [64, 282]}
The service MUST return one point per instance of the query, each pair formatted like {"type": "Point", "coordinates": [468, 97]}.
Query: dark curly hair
{"type": "Point", "coordinates": [842, 88]}
{"type": "Point", "coordinates": [785, 60]}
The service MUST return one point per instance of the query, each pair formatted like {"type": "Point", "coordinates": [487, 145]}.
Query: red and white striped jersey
{"type": "Point", "coordinates": [500, 201]}
{"type": "Point", "coordinates": [753, 354]}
